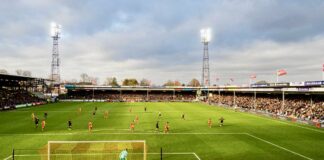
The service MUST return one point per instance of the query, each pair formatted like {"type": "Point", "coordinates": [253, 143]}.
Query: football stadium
{"type": "Point", "coordinates": [119, 80]}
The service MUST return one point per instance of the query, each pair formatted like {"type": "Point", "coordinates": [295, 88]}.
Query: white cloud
{"type": "Point", "coordinates": [303, 60]}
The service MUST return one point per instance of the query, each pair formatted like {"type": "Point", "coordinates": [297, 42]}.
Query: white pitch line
{"type": "Point", "coordinates": [283, 148]}
{"type": "Point", "coordinates": [196, 155]}
{"type": "Point", "coordinates": [7, 157]}
{"type": "Point", "coordinates": [87, 154]}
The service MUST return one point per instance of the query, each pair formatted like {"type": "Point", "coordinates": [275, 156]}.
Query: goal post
{"type": "Point", "coordinates": [96, 150]}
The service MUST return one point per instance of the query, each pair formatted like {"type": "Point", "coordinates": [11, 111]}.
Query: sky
{"type": "Point", "coordinates": [160, 40]}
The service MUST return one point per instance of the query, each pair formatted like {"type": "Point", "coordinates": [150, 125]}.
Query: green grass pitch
{"type": "Point", "coordinates": [243, 136]}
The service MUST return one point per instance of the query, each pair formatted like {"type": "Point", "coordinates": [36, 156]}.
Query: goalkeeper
{"type": "Point", "coordinates": [123, 155]}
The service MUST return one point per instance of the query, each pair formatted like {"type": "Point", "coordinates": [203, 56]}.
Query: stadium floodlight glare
{"type": "Point", "coordinates": [205, 35]}
{"type": "Point", "coordinates": [55, 29]}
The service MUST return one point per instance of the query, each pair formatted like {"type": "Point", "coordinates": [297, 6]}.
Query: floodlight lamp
{"type": "Point", "coordinates": [205, 35]}
{"type": "Point", "coordinates": [55, 29]}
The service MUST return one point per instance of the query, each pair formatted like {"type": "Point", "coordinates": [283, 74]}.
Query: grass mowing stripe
{"type": "Point", "coordinates": [145, 133]}
{"type": "Point", "coordinates": [298, 154]}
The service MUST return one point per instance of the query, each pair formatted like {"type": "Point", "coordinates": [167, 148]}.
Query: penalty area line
{"type": "Point", "coordinates": [7, 158]}
{"type": "Point", "coordinates": [167, 153]}
{"type": "Point", "coordinates": [283, 148]}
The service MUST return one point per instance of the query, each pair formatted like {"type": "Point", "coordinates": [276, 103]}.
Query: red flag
{"type": "Point", "coordinates": [253, 76]}
{"type": "Point", "coordinates": [281, 72]}
{"type": "Point", "coordinates": [94, 81]}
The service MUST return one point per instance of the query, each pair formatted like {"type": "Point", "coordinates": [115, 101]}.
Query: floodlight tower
{"type": "Point", "coordinates": [55, 71]}
{"type": "Point", "coordinates": [205, 35]}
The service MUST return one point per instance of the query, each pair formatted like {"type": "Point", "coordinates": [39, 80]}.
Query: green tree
{"type": "Point", "coordinates": [130, 82]}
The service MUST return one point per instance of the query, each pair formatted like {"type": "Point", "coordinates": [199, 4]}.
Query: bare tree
{"type": "Point", "coordinates": [111, 81]}
{"type": "Point", "coordinates": [74, 81]}
{"type": "Point", "coordinates": [19, 72]}
{"type": "Point", "coordinates": [84, 77]}
{"type": "Point", "coordinates": [94, 80]}
{"type": "Point", "coordinates": [145, 82]}
{"type": "Point", "coordinates": [27, 73]}
{"type": "Point", "coordinates": [3, 71]}
{"type": "Point", "coordinates": [169, 83]}
{"type": "Point", "coordinates": [177, 83]}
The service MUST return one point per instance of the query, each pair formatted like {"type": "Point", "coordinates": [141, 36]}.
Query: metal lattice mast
{"type": "Point", "coordinates": [205, 71]}
{"type": "Point", "coordinates": [205, 38]}
{"type": "Point", "coordinates": [55, 68]}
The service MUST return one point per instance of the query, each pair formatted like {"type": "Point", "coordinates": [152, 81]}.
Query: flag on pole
{"type": "Point", "coordinates": [281, 72]}
{"type": "Point", "coordinates": [253, 76]}
{"type": "Point", "coordinates": [323, 68]}
{"type": "Point", "coordinates": [94, 81]}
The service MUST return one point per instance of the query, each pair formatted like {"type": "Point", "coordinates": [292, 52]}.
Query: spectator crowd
{"type": "Point", "coordinates": [131, 96]}
{"type": "Point", "coordinates": [297, 106]}
{"type": "Point", "coordinates": [9, 98]}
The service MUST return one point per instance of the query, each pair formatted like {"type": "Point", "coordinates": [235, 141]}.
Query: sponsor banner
{"type": "Point", "coordinates": [260, 85]}
{"type": "Point", "coordinates": [304, 122]}
{"type": "Point", "coordinates": [21, 106]}
{"type": "Point", "coordinates": [281, 84]}
{"type": "Point", "coordinates": [296, 84]}
{"type": "Point", "coordinates": [282, 118]}
{"type": "Point", "coordinates": [314, 83]}
{"type": "Point", "coordinates": [303, 89]}
{"type": "Point", "coordinates": [272, 84]}
{"type": "Point", "coordinates": [84, 100]}
{"type": "Point", "coordinates": [188, 89]}
{"type": "Point", "coordinates": [278, 84]}
{"type": "Point", "coordinates": [29, 104]}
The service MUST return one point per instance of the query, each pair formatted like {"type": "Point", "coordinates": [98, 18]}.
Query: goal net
{"type": "Point", "coordinates": [96, 150]}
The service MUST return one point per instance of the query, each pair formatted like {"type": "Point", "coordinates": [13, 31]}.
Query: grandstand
{"type": "Point", "coordinates": [21, 91]}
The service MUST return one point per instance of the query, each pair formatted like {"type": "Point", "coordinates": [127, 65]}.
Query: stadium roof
{"type": "Point", "coordinates": [17, 77]}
